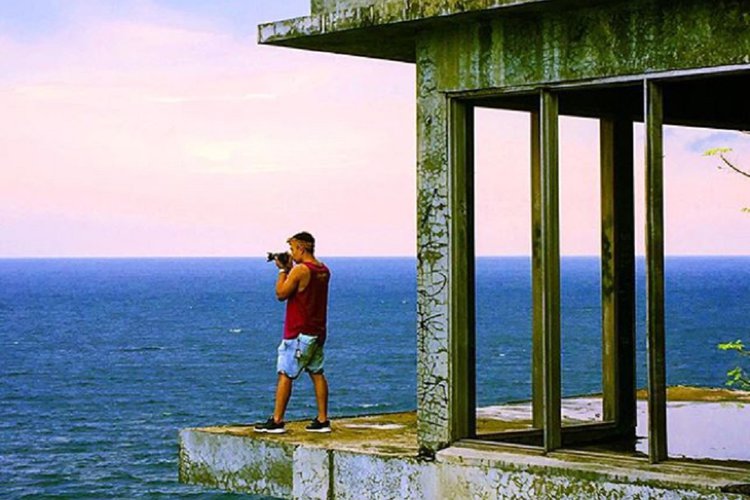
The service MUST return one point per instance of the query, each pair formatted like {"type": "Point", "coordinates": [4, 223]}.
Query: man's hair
{"type": "Point", "coordinates": [306, 239]}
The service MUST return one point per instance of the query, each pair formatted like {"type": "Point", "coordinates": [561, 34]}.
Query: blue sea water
{"type": "Point", "coordinates": [102, 361]}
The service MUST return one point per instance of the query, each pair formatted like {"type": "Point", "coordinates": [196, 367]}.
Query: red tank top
{"type": "Point", "coordinates": [306, 310]}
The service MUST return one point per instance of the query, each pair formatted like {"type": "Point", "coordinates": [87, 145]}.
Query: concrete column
{"type": "Point", "coordinates": [445, 253]}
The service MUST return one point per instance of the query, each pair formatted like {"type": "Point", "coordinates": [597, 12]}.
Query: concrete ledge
{"type": "Point", "coordinates": [570, 474]}
{"type": "Point", "coordinates": [376, 457]}
{"type": "Point", "coordinates": [236, 463]}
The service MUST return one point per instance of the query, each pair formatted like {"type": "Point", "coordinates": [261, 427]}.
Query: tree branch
{"type": "Point", "coordinates": [731, 165]}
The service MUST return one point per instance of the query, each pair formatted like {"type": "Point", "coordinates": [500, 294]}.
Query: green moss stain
{"type": "Point", "coordinates": [485, 59]}
{"type": "Point", "coordinates": [273, 472]}
{"type": "Point", "coordinates": [193, 473]}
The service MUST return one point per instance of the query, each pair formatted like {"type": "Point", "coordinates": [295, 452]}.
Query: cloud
{"type": "Point", "coordinates": [227, 98]}
{"type": "Point", "coordinates": [709, 139]}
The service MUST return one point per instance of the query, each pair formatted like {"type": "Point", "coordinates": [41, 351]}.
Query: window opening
{"type": "Point", "coordinates": [502, 198]}
{"type": "Point", "coordinates": [659, 105]}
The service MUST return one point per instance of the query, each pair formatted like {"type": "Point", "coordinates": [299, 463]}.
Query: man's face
{"type": "Point", "coordinates": [296, 250]}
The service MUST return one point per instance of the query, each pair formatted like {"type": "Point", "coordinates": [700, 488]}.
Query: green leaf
{"type": "Point", "coordinates": [716, 151]}
{"type": "Point", "coordinates": [737, 345]}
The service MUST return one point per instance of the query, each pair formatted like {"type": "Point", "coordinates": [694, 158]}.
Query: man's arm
{"type": "Point", "coordinates": [288, 282]}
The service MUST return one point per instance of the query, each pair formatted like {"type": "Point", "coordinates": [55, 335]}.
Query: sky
{"type": "Point", "coordinates": [161, 128]}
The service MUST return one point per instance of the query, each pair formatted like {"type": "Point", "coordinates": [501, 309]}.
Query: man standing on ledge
{"type": "Point", "coordinates": [304, 286]}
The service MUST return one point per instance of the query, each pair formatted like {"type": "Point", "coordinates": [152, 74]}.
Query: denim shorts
{"type": "Point", "coordinates": [302, 353]}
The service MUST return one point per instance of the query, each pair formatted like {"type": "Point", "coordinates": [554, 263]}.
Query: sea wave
{"type": "Point", "coordinates": [141, 349]}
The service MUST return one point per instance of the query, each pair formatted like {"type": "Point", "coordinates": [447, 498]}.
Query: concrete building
{"type": "Point", "coordinates": [617, 61]}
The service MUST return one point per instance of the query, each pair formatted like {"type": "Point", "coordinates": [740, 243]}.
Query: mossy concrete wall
{"type": "Point", "coordinates": [509, 42]}
{"type": "Point", "coordinates": [284, 470]}
{"type": "Point", "coordinates": [605, 41]}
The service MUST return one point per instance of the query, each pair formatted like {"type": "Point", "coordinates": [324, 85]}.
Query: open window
{"type": "Point", "coordinates": [611, 110]}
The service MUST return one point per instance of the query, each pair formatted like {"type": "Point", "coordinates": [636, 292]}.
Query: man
{"type": "Point", "coordinates": [304, 286]}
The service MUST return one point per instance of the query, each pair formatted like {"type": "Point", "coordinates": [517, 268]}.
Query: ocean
{"type": "Point", "coordinates": [102, 361]}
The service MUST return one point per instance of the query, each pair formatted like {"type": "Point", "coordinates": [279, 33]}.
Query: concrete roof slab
{"type": "Point", "coordinates": [386, 29]}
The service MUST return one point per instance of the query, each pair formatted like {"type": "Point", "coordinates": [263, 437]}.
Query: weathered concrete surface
{"type": "Point", "coordinates": [409, 8]}
{"type": "Point", "coordinates": [390, 434]}
{"type": "Point", "coordinates": [433, 263]}
{"type": "Point", "coordinates": [456, 472]}
{"type": "Point", "coordinates": [625, 38]}
{"type": "Point", "coordinates": [525, 42]}
{"type": "Point", "coordinates": [300, 464]}
{"type": "Point", "coordinates": [376, 457]}
{"type": "Point", "coordinates": [320, 6]}
{"type": "Point", "coordinates": [235, 463]}
{"type": "Point", "coordinates": [490, 473]}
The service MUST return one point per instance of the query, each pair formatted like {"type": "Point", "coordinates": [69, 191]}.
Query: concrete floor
{"type": "Point", "coordinates": [702, 423]}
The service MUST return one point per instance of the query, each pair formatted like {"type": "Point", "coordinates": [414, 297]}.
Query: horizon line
{"type": "Point", "coordinates": [335, 256]}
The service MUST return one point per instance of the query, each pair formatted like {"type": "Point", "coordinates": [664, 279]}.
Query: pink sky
{"type": "Point", "coordinates": [159, 130]}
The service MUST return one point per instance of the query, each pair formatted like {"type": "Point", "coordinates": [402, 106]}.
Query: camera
{"type": "Point", "coordinates": [282, 256]}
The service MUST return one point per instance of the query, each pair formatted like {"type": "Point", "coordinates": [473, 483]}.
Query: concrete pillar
{"type": "Point", "coordinates": [445, 257]}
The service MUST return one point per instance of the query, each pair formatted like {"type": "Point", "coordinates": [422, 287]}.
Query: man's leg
{"type": "Point", "coordinates": [283, 393]}
{"type": "Point", "coordinates": [321, 395]}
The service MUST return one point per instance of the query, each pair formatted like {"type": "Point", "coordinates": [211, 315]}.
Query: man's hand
{"type": "Point", "coordinates": [286, 267]}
